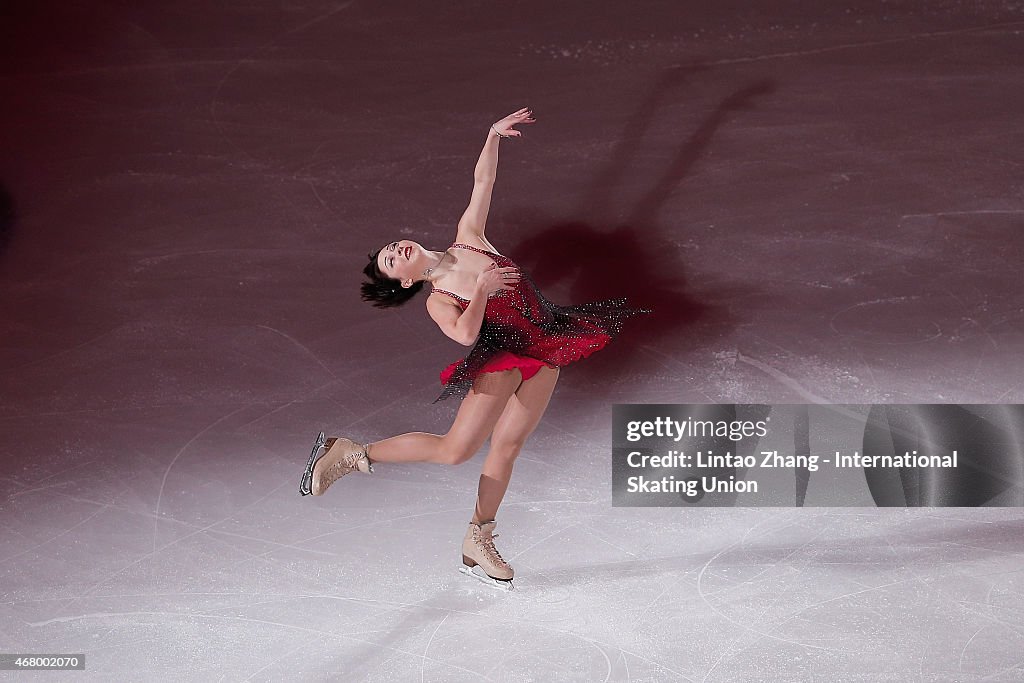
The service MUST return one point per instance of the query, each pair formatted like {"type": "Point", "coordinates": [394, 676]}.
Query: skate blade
{"type": "Point", "coordinates": [306, 485]}
{"type": "Point", "coordinates": [489, 580]}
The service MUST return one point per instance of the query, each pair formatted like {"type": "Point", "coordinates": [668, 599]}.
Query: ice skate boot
{"type": "Point", "coordinates": [338, 458]}
{"type": "Point", "coordinates": [478, 551]}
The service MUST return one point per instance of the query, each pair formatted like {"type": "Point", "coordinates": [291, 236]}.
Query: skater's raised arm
{"type": "Point", "coordinates": [475, 216]}
{"type": "Point", "coordinates": [464, 325]}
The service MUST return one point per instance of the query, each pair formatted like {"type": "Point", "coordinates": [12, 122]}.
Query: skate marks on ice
{"type": "Point", "coordinates": [764, 586]}
{"type": "Point", "coordinates": [460, 615]}
{"type": "Point", "coordinates": [946, 303]}
{"type": "Point", "coordinates": [252, 58]}
{"type": "Point", "coordinates": [476, 572]}
{"type": "Point", "coordinates": [759, 583]}
{"type": "Point", "coordinates": [984, 28]}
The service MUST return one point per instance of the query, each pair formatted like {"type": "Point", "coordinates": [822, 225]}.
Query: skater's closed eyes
{"type": "Point", "coordinates": [480, 298]}
{"type": "Point", "coordinates": [392, 261]}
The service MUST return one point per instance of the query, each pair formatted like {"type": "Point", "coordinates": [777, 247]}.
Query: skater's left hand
{"type": "Point", "coordinates": [522, 116]}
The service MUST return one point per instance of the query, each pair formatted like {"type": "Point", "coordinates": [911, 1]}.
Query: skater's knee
{"type": "Point", "coordinates": [459, 456]}
{"type": "Point", "coordinates": [457, 451]}
{"type": "Point", "coordinates": [507, 446]}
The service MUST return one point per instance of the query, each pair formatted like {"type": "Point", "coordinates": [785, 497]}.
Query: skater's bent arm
{"type": "Point", "coordinates": [475, 217]}
{"type": "Point", "coordinates": [462, 326]}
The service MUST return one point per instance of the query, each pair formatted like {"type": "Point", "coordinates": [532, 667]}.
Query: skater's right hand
{"type": "Point", "coordinates": [495, 279]}
{"type": "Point", "coordinates": [524, 115]}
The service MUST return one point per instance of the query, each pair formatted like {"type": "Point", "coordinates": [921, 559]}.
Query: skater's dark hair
{"type": "Point", "coordinates": [383, 291]}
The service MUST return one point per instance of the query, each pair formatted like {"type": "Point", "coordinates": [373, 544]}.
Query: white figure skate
{"type": "Point", "coordinates": [481, 560]}
{"type": "Point", "coordinates": [339, 457]}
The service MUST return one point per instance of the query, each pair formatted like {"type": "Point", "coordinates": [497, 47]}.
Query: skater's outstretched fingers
{"type": "Point", "coordinates": [504, 127]}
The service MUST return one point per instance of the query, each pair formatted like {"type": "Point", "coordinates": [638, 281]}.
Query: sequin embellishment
{"type": "Point", "coordinates": [522, 322]}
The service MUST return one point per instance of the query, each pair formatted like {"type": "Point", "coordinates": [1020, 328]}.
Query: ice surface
{"type": "Point", "coordinates": [821, 202]}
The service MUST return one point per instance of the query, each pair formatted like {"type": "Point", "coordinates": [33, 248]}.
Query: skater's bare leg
{"type": "Point", "coordinates": [521, 416]}
{"type": "Point", "coordinates": [477, 415]}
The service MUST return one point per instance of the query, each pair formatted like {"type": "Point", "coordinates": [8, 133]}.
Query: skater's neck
{"type": "Point", "coordinates": [441, 267]}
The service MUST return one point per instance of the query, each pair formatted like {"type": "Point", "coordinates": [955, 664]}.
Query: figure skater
{"type": "Point", "coordinates": [519, 341]}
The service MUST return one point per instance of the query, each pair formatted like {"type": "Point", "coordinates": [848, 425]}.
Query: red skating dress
{"type": "Point", "coordinates": [522, 329]}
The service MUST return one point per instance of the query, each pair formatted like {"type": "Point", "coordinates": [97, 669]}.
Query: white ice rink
{"type": "Point", "coordinates": [822, 204]}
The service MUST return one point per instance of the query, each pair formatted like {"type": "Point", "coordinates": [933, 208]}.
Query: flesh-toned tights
{"type": "Point", "coordinates": [500, 405]}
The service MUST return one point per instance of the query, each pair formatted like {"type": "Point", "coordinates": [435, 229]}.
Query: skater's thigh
{"type": "Point", "coordinates": [524, 410]}
{"type": "Point", "coordinates": [481, 408]}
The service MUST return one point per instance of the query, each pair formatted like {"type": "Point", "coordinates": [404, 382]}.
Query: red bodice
{"type": "Point", "coordinates": [521, 328]}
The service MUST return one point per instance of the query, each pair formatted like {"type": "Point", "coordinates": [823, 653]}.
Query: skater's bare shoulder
{"type": "Point", "coordinates": [440, 302]}
{"type": "Point", "coordinates": [474, 239]}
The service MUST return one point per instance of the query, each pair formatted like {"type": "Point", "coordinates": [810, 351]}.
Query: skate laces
{"type": "Point", "coordinates": [346, 463]}
{"type": "Point", "coordinates": [488, 543]}
{"type": "Point", "coordinates": [351, 460]}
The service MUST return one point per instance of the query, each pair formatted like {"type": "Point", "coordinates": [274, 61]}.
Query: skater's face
{"type": "Point", "coordinates": [398, 260]}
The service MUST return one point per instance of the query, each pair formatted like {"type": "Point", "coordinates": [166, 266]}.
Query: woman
{"type": "Point", "coordinates": [479, 298]}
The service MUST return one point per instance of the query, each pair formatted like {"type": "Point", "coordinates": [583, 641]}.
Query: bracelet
{"type": "Point", "coordinates": [499, 134]}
